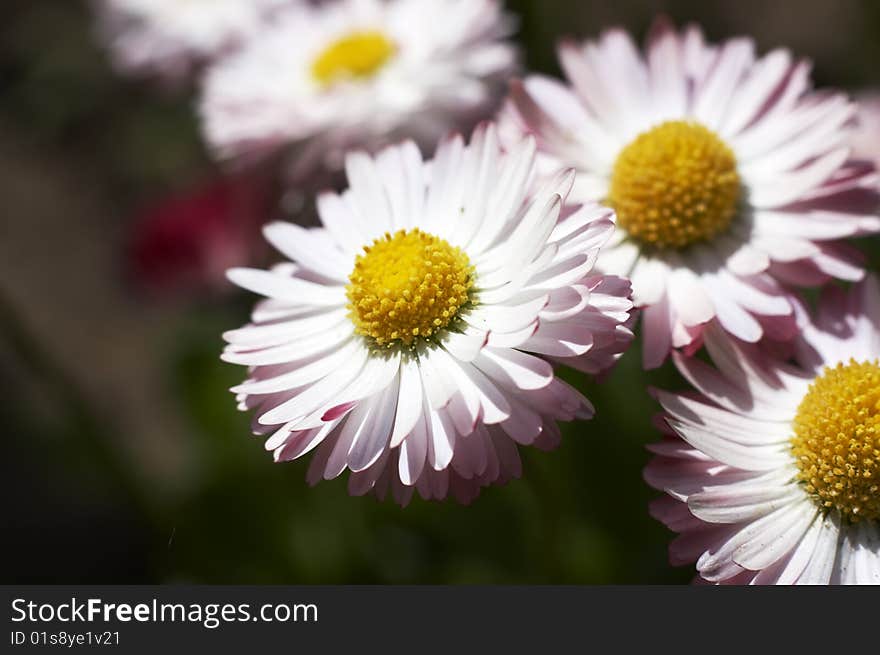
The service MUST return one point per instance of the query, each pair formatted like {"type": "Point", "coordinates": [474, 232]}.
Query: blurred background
{"type": "Point", "coordinates": [124, 459]}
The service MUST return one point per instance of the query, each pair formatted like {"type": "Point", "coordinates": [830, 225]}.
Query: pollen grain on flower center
{"type": "Point", "coordinates": [837, 440]}
{"type": "Point", "coordinates": [675, 185]}
{"type": "Point", "coordinates": [408, 286]}
{"type": "Point", "coordinates": [357, 55]}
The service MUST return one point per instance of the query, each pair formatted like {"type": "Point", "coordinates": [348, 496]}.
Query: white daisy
{"type": "Point", "coordinates": [776, 476]}
{"type": "Point", "coordinates": [728, 174]}
{"type": "Point", "coordinates": [170, 37]}
{"type": "Point", "coordinates": [413, 339]}
{"type": "Point", "coordinates": [358, 74]}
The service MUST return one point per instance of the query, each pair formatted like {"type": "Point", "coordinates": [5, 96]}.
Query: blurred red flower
{"type": "Point", "coordinates": [185, 243]}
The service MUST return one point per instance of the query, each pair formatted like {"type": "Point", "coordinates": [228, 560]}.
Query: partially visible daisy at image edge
{"type": "Point", "coordinates": [412, 339]}
{"type": "Point", "coordinates": [730, 176]}
{"type": "Point", "coordinates": [170, 38]}
{"type": "Point", "coordinates": [348, 74]}
{"type": "Point", "coordinates": [772, 470]}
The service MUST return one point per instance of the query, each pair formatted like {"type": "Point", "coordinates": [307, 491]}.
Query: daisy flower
{"type": "Point", "coordinates": [170, 37]}
{"type": "Point", "coordinates": [358, 74]}
{"type": "Point", "coordinates": [729, 176]}
{"type": "Point", "coordinates": [773, 469]}
{"type": "Point", "coordinates": [413, 337]}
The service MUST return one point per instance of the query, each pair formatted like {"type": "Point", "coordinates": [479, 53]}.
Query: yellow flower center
{"type": "Point", "coordinates": [837, 440]}
{"type": "Point", "coordinates": [357, 55]}
{"type": "Point", "coordinates": [674, 185]}
{"type": "Point", "coordinates": [408, 286]}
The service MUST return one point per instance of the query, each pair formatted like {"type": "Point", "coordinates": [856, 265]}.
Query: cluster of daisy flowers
{"type": "Point", "coordinates": [685, 191]}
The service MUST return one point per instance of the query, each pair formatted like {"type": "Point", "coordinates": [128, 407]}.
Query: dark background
{"type": "Point", "coordinates": [123, 458]}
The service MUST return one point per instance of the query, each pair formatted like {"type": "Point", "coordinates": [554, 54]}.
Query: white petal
{"type": "Point", "coordinates": [413, 453]}
{"type": "Point", "coordinates": [308, 248]}
{"type": "Point", "coordinates": [774, 535]}
{"type": "Point", "coordinates": [371, 440]}
{"type": "Point", "coordinates": [515, 369]}
{"type": "Point", "coordinates": [749, 458]}
{"type": "Point", "coordinates": [409, 402]}
{"type": "Point", "coordinates": [287, 288]}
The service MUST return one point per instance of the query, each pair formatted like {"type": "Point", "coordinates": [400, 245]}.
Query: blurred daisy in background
{"type": "Point", "coordinates": [170, 38]}
{"type": "Point", "coordinates": [775, 478]}
{"type": "Point", "coordinates": [358, 74]}
{"type": "Point", "coordinates": [730, 177]}
{"type": "Point", "coordinates": [412, 339]}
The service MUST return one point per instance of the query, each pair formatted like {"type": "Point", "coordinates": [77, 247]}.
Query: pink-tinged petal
{"type": "Point", "coordinates": [314, 396]}
{"type": "Point", "coordinates": [788, 187]}
{"type": "Point", "coordinates": [656, 334]}
{"type": "Point", "coordinates": [464, 411]}
{"type": "Point", "coordinates": [361, 483]}
{"type": "Point", "coordinates": [674, 514]}
{"type": "Point", "coordinates": [353, 425]}
{"type": "Point", "coordinates": [764, 79]}
{"type": "Point", "coordinates": [508, 456]}
{"type": "Point", "coordinates": [301, 443]}
{"type": "Point", "coordinates": [559, 340]}
{"type": "Point", "coordinates": [802, 273]}
{"type": "Point", "coordinates": [567, 302]}
{"type": "Point", "coordinates": [840, 261]}
{"type": "Point", "coordinates": [737, 320]}
{"type": "Point", "coordinates": [376, 375]}
{"type": "Point", "coordinates": [511, 339]}
{"type": "Point", "coordinates": [515, 369]}
{"type": "Point", "coordinates": [524, 424]}
{"type": "Point", "coordinates": [750, 294]}
{"type": "Point", "coordinates": [580, 132]}
{"type": "Point", "coordinates": [495, 407]}
{"type": "Point", "coordinates": [690, 546]}
{"type": "Point", "coordinates": [713, 385]}
{"type": "Point", "coordinates": [542, 125]}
